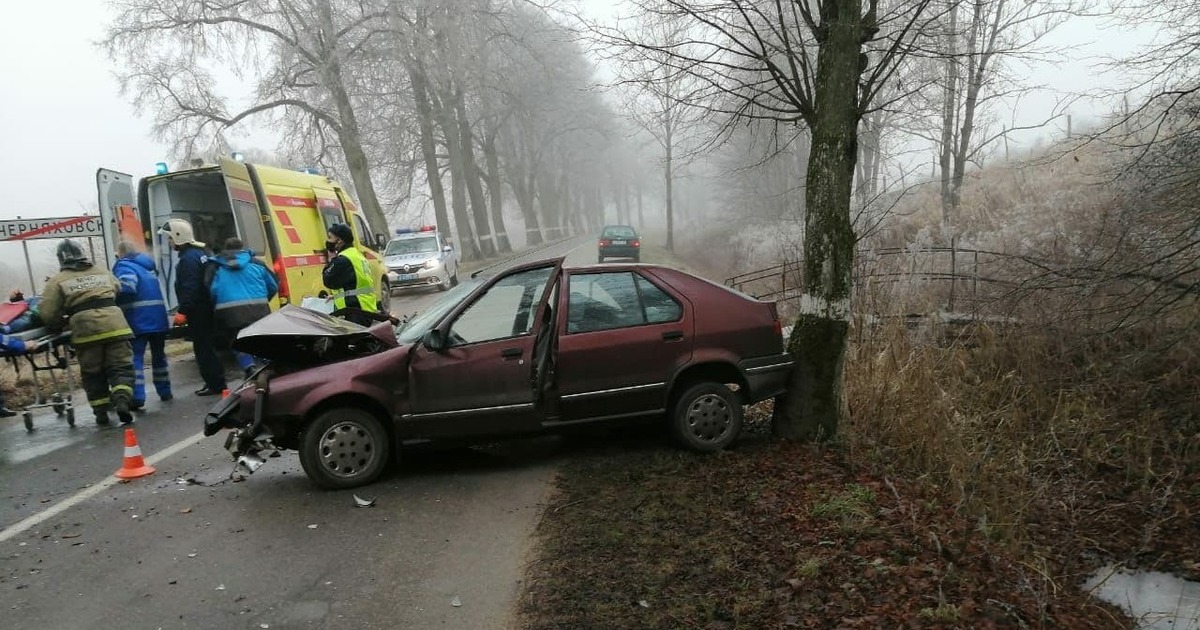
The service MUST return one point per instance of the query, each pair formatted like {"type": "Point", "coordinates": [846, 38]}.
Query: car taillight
{"type": "Point", "coordinates": [603, 242]}
{"type": "Point", "coordinates": [637, 243]}
{"type": "Point", "coordinates": [281, 278]}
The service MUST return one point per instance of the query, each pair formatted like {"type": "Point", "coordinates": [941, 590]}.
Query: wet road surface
{"type": "Point", "coordinates": [189, 548]}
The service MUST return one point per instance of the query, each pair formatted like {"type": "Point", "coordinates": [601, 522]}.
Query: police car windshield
{"type": "Point", "coordinates": [417, 245]}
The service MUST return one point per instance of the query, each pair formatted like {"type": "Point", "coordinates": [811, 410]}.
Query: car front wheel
{"type": "Point", "coordinates": [707, 417]}
{"type": "Point", "coordinates": [345, 447]}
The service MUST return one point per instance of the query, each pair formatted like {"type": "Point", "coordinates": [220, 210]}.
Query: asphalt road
{"type": "Point", "coordinates": [186, 547]}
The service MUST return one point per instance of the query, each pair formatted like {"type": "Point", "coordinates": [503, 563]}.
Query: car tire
{"type": "Point", "coordinates": [344, 447]}
{"type": "Point", "coordinates": [454, 278]}
{"type": "Point", "coordinates": [706, 417]}
{"type": "Point", "coordinates": [385, 297]}
{"type": "Point", "coordinates": [445, 285]}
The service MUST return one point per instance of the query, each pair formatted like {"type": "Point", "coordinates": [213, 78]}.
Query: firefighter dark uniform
{"type": "Point", "coordinates": [348, 275]}
{"type": "Point", "coordinates": [84, 299]}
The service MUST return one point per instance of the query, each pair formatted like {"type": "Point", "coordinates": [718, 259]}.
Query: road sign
{"type": "Point", "coordinates": [60, 227]}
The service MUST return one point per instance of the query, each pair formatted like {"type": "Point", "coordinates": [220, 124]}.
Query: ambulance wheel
{"type": "Point", "coordinates": [385, 301]}
{"type": "Point", "coordinates": [71, 417]}
{"type": "Point", "coordinates": [28, 418]}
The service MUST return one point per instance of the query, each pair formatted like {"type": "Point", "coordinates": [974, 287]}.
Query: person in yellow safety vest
{"type": "Point", "coordinates": [84, 299]}
{"type": "Point", "coordinates": [348, 275]}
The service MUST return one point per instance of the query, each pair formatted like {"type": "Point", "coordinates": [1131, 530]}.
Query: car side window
{"type": "Point", "coordinates": [660, 307]}
{"type": "Point", "coordinates": [603, 301]}
{"type": "Point", "coordinates": [505, 310]}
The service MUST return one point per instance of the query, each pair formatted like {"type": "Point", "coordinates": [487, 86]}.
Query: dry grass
{"type": "Point", "coordinates": [1038, 430]}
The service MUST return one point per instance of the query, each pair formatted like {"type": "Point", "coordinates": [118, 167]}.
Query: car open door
{"type": "Point", "coordinates": [476, 373]}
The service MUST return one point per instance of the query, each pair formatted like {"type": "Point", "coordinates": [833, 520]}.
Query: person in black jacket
{"type": "Point", "coordinates": [195, 303]}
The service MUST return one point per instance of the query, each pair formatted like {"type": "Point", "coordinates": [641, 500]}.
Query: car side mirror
{"type": "Point", "coordinates": [434, 340]}
{"type": "Point", "coordinates": [448, 248]}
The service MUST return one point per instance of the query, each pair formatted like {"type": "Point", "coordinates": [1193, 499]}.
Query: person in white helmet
{"type": "Point", "coordinates": [195, 303]}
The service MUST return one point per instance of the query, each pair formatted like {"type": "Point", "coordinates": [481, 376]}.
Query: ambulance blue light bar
{"type": "Point", "coordinates": [161, 168]}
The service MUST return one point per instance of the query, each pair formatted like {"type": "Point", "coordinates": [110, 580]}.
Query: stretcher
{"type": "Point", "coordinates": [52, 355]}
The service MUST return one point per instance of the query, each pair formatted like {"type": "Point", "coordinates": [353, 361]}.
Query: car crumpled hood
{"type": "Point", "coordinates": [299, 335]}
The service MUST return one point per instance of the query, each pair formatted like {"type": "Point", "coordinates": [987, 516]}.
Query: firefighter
{"type": "Point", "coordinates": [84, 299]}
{"type": "Point", "coordinates": [195, 305]}
{"type": "Point", "coordinates": [141, 299]}
{"type": "Point", "coordinates": [348, 275]}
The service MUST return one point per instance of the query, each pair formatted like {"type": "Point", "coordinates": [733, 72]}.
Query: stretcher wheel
{"type": "Point", "coordinates": [71, 417]}
{"type": "Point", "coordinates": [28, 418]}
{"type": "Point", "coordinates": [59, 405]}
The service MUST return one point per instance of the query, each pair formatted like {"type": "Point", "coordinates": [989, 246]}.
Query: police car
{"type": "Point", "coordinates": [421, 257]}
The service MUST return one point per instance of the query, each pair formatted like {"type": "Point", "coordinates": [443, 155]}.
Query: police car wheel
{"type": "Point", "coordinates": [454, 279]}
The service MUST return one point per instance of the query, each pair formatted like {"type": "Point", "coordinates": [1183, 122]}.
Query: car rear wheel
{"type": "Point", "coordinates": [707, 417]}
{"type": "Point", "coordinates": [344, 447]}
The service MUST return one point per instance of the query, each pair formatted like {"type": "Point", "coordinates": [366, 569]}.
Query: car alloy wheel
{"type": "Point", "coordinates": [707, 417]}
{"type": "Point", "coordinates": [344, 448]}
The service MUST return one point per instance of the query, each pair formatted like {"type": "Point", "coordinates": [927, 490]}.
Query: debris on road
{"type": "Point", "coordinates": [71, 535]}
{"type": "Point", "coordinates": [456, 602]}
{"type": "Point", "coordinates": [186, 510]}
{"type": "Point", "coordinates": [313, 526]}
{"type": "Point", "coordinates": [363, 503]}
{"type": "Point", "coordinates": [220, 587]}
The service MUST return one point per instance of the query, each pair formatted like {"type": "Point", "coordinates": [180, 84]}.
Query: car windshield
{"type": "Point", "coordinates": [422, 322]}
{"type": "Point", "coordinates": [619, 232]}
{"type": "Point", "coordinates": [419, 245]}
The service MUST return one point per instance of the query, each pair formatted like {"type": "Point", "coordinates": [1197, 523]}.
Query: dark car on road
{"type": "Point", "coordinates": [620, 241]}
{"type": "Point", "coordinates": [539, 348]}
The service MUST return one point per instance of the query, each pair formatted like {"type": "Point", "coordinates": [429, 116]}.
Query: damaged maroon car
{"type": "Point", "coordinates": [536, 349]}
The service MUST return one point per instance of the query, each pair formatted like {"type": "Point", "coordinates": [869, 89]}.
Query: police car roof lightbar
{"type": "Point", "coordinates": [423, 228]}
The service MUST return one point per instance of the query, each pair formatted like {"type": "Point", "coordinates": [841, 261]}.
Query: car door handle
{"type": "Point", "coordinates": [511, 353]}
{"type": "Point", "coordinates": [672, 335]}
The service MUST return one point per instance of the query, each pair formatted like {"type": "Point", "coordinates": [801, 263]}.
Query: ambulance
{"type": "Point", "coordinates": [280, 214]}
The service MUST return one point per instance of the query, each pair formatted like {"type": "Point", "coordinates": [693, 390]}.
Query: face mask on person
{"type": "Point", "coordinates": [331, 246]}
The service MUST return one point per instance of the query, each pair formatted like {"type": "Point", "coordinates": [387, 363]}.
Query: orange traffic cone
{"type": "Point", "coordinates": [133, 466]}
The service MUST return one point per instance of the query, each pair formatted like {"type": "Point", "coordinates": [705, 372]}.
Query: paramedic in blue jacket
{"type": "Point", "coordinates": [140, 298]}
{"type": "Point", "coordinates": [195, 303]}
{"type": "Point", "coordinates": [241, 287]}
{"type": "Point", "coordinates": [12, 345]}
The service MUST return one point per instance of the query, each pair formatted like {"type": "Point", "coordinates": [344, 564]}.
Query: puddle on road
{"type": "Point", "coordinates": [1155, 600]}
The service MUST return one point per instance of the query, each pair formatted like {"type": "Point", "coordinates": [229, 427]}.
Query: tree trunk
{"type": "Point", "coordinates": [349, 136]}
{"type": "Point", "coordinates": [471, 175]}
{"type": "Point", "coordinates": [429, 147]}
{"type": "Point", "coordinates": [526, 197]}
{"type": "Point", "coordinates": [468, 247]}
{"type": "Point", "coordinates": [669, 177]}
{"type": "Point", "coordinates": [495, 191]}
{"type": "Point", "coordinates": [949, 113]}
{"type": "Point", "coordinates": [641, 215]}
{"type": "Point", "coordinates": [813, 407]}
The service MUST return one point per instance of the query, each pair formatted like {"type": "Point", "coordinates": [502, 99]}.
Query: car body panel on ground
{"type": "Point", "coordinates": [537, 348]}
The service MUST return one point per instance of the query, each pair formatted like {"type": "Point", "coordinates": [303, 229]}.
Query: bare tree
{"type": "Point", "coordinates": [295, 50]}
{"type": "Point", "coordinates": [819, 64]}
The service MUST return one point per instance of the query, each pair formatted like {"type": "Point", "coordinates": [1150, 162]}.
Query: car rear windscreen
{"type": "Point", "coordinates": [619, 232]}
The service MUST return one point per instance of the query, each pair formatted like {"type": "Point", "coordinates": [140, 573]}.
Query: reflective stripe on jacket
{"type": "Point", "coordinates": [364, 290]}
{"type": "Point", "coordinates": [86, 298]}
{"type": "Point", "coordinates": [241, 288]}
{"type": "Point", "coordinates": [140, 296]}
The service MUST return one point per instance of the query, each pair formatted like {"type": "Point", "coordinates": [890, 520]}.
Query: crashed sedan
{"type": "Point", "coordinates": [539, 348]}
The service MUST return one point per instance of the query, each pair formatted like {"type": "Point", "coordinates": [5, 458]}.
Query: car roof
{"type": "Point", "coordinates": [619, 226]}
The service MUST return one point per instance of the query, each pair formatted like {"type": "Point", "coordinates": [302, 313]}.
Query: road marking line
{"type": "Point", "coordinates": [91, 491]}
